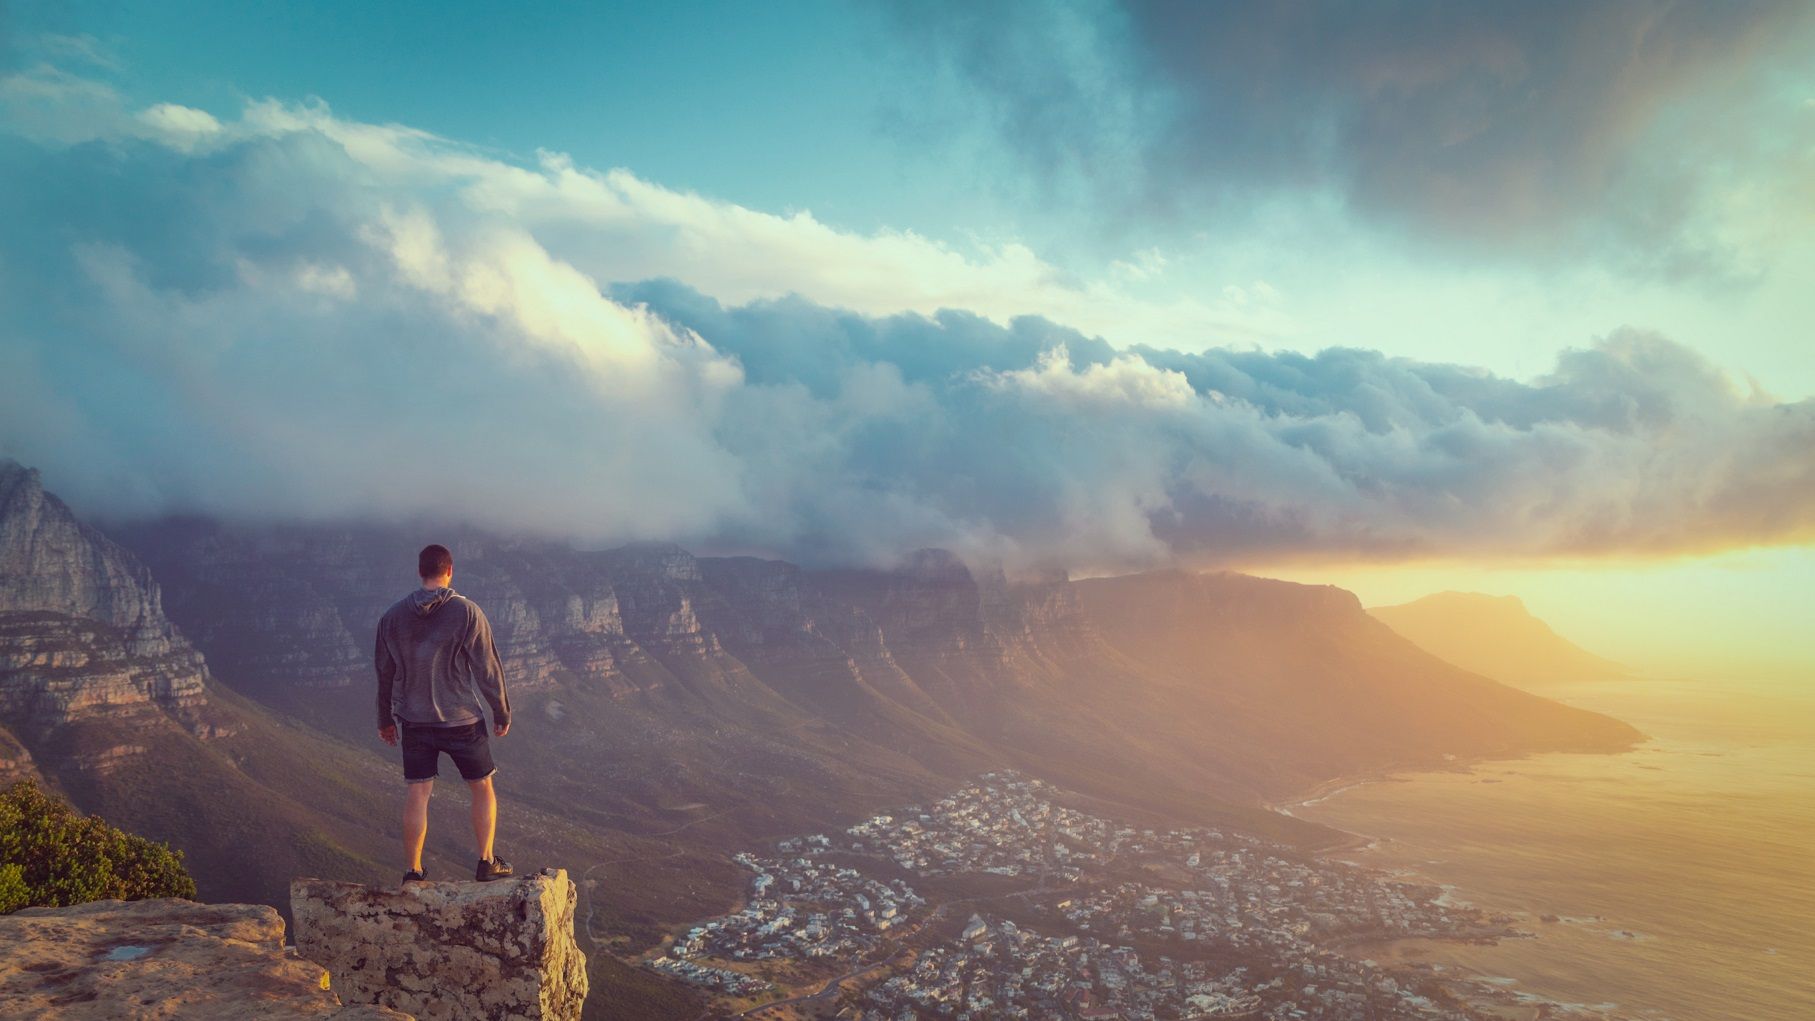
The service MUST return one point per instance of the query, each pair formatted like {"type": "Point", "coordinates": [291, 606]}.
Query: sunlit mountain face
{"type": "Point", "coordinates": [1179, 413]}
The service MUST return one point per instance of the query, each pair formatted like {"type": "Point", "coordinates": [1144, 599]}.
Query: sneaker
{"type": "Point", "coordinates": [416, 876]}
{"type": "Point", "coordinates": [487, 871]}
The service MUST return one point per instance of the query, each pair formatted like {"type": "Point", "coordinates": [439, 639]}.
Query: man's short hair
{"type": "Point", "coordinates": [434, 561]}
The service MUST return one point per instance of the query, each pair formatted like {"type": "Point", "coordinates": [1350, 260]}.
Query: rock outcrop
{"type": "Point", "coordinates": [448, 951]}
{"type": "Point", "coordinates": [50, 561]}
{"type": "Point", "coordinates": [15, 761]}
{"type": "Point", "coordinates": [156, 959]}
{"type": "Point", "coordinates": [84, 637]}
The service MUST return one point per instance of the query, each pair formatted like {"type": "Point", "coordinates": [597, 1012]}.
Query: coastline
{"type": "Point", "coordinates": [1337, 785]}
{"type": "Point", "coordinates": [1567, 848]}
{"type": "Point", "coordinates": [1567, 843]}
{"type": "Point", "coordinates": [1496, 995]}
{"type": "Point", "coordinates": [1397, 773]}
{"type": "Point", "coordinates": [1331, 788]}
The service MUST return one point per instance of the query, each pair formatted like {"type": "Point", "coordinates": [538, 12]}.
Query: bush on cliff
{"type": "Point", "coordinates": [53, 856]}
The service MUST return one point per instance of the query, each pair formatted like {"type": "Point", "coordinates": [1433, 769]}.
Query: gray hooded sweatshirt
{"type": "Point", "coordinates": [434, 650]}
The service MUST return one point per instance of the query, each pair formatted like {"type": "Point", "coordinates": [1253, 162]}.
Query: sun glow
{"type": "Point", "coordinates": [1742, 611]}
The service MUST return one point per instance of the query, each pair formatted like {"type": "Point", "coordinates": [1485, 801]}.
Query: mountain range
{"type": "Point", "coordinates": [208, 683]}
{"type": "Point", "coordinates": [1495, 636]}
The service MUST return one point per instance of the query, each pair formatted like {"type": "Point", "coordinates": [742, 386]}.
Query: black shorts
{"type": "Point", "coordinates": [468, 745]}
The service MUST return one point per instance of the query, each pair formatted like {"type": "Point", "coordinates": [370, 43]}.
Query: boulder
{"type": "Point", "coordinates": [156, 959]}
{"type": "Point", "coordinates": [448, 951]}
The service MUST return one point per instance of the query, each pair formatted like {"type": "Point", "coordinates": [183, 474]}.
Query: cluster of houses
{"type": "Point", "coordinates": [1243, 898]}
{"type": "Point", "coordinates": [734, 983]}
{"type": "Point", "coordinates": [801, 907]}
{"type": "Point", "coordinates": [996, 969]}
{"type": "Point", "coordinates": [1003, 823]}
{"type": "Point", "coordinates": [1116, 921]}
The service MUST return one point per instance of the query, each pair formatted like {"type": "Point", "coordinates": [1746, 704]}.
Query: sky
{"type": "Point", "coordinates": [1442, 295]}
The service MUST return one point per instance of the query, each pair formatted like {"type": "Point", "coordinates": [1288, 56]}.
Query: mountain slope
{"type": "Point", "coordinates": [1495, 636]}
{"type": "Point", "coordinates": [1299, 685]}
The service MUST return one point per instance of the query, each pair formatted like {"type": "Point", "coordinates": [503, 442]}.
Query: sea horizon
{"type": "Point", "coordinates": [1569, 845]}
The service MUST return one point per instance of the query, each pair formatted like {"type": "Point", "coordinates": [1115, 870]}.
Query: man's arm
{"type": "Point", "coordinates": [488, 670]}
{"type": "Point", "coordinates": [386, 665]}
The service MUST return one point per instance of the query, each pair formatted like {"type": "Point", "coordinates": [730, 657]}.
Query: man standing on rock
{"type": "Point", "coordinates": [434, 650]}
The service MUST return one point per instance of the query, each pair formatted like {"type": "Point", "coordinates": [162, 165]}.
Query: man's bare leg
{"type": "Point", "coordinates": [416, 821]}
{"type": "Point", "coordinates": [485, 816]}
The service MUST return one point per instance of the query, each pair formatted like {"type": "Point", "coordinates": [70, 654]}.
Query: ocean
{"type": "Point", "coordinates": [1675, 881]}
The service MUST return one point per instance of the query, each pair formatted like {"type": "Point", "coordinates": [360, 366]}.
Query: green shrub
{"type": "Point", "coordinates": [52, 856]}
{"type": "Point", "coordinates": [13, 894]}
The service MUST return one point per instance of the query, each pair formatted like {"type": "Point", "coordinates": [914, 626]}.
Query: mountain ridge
{"type": "Point", "coordinates": [1496, 636]}
{"type": "Point", "coordinates": [931, 654]}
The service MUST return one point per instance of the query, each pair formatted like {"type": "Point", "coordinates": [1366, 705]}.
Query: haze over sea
{"type": "Point", "coordinates": [1682, 872]}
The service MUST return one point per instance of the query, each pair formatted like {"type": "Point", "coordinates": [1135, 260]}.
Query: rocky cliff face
{"type": "Point", "coordinates": [84, 637]}
{"type": "Point", "coordinates": [841, 645]}
{"type": "Point", "coordinates": [58, 670]}
{"type": "Point", "coordinates": [50, 562]}
{"type": "Point", "coordinates": [279, 609]}
{"type": "Point", "coordinates": [15, 760]}
{"type": "Point", "coordinates": [160, 959]}
{"type": "Point", "coordinates": [449, 951]}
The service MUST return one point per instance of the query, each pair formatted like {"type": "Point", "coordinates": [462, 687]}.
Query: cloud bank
{"type": "Point", "coordinates": [1625, 129]}
{"type": "Point", "coordinates": [293, 316]}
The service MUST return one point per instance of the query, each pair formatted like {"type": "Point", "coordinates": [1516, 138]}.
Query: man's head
{"type": "Point", "coordinates": [436, 565]}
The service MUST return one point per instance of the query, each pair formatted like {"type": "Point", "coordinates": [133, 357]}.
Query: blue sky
{"type": "Point", "coordinates": [775, 106]}
{"type": "Point", "coordinates": [1094, 285]}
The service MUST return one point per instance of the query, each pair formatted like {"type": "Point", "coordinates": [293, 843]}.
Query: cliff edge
{"type": "Point", "coordinates": [501, 951]}
{"type": "Point", "coordinates": [115, 960]}
{"type": "Point", "coordinates": [448, 951]}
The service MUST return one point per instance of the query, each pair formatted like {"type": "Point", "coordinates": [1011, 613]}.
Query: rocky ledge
{"type": "Point", "coordinates": [156, 959]}
{"type": "Point", "coordinates": [448, 951]}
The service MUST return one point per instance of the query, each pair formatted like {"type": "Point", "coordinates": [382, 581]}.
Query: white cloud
{"type": "Point", "coordinates": [181, 127]}
{"type": "Point", "coordinates": [1125, 381]}
{"type": "Point", "coordinates": [616, 226]}
{"type": "Point", "coordinates": [45, 103]}
{"type": "Point", "coordinates": [355, 319]}
{"type": "Point", "coordinates": [331, 281]}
